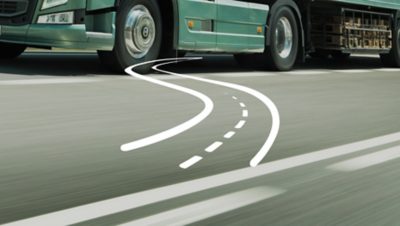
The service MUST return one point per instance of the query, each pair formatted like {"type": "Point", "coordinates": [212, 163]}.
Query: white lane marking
{"type": "Point", "coordinates": [240, 124]}
{"type": "Point", "coordinates": [306, 72]}
{"type": "Point", "coordinates": [195, 212]}
{"type": "Point", "coordinates": [235, 98]}
{"type": "Point", "coordinates": [24, 82]}
{"type": "Point", "coordinates": [229, 134]}
{"type": "Point", "coordinates": [352, 71]}
{"type": "Point", "coordinates": [276, 121]}
{"type": "Point", "coordinates": [195, 159]}
{"type": "Point", "coordinates": [128, 202]}
{"type": "Point", "coordinates": [214, 146]}
{"type": "Point", "coordinates": [387, 69]}
{"type": "Point", "coordinates": [242, 105]}
{"type": "Point", "coordinates": [208, 107]}
{"type": "Point", "coordinates": [245, 113]}
{"type": "Point", "coordinates": [367, 160]}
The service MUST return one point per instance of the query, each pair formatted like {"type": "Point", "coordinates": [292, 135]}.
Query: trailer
{"type": "Point", "coordinates": [275, 34]}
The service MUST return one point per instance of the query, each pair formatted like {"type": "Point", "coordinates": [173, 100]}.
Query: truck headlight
{"type": "Point", "coordinates": [57, 18]}
{"type": "Point", "coordinates": [52, 3]}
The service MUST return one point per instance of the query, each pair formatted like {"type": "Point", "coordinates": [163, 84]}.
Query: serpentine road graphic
{"type": "Point", "coordinates": [205, 113]}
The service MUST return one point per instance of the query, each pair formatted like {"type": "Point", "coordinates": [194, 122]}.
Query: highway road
{"type": "Point", "coordinates": [63, 119]}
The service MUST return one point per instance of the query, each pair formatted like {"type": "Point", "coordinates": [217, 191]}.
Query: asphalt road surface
{"type": "Point", "coordinates": [63, 119]}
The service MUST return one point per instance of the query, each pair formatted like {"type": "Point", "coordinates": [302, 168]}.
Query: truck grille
{"type": "Point", "coordinates": [11, 8]}
{"type": "Point", "coordinates": [17, 12]}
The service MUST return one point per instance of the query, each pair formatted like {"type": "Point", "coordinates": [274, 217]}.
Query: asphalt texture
{"type": "Point", "coordinates": [63, 118]}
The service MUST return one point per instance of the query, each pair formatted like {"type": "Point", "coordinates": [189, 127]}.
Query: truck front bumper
{"type": "Point", "coordinates": [62, 36]}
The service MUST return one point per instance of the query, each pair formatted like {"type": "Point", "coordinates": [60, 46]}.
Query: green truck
{"type": "Point", "coordinates": [272, 33]}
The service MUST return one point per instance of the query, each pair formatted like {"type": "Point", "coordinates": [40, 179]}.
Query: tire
{"type": "Point", "coordinates": [138, 36]}
{"type": "Point", "coordinates": [281, 55]}
{"type": "Point", "coordinates": [11, 51]}
{"type": "Point", "coordinates": [393, 58]}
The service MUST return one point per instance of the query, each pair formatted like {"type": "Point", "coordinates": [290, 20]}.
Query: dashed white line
{"type": "Point", "coordinates": [190, 162]}
{"type": "Point", "coordinates": [235, 98]}
{"type": "Point", "coordinates": [276, 121]}
{"type": "Point", "coordinates": [208, 107]}
{"type": "Point", "coordinates": [242, 105]}
{"type": "Point", "coordinates": [245, 113]}
{"type": "Point", "coordinates": [229, 134]}
{"type": "Point", "coordinates": [367, 160]}
{"type": "Point", "coordinates": [214, 146]}
{"type": "Point", "coordinates": [198, 211]}
{"type": "Point", "coordinates": [240, 124]}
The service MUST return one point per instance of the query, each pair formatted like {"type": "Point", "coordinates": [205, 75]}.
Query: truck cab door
{"type": "Point", "coordinates": [240, 26]}
{"type": "Point", "coordinates": [196, 25]}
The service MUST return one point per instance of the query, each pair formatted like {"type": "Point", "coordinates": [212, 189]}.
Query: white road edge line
{"type": "Point", "coordinates": [190, 162]}
{"type": "Point", "coordinates": [214, 146]}
{"type": "Point", "coordinates": [306, 72]}
{"type": "Point", "coordinates": [198, 211]}
{"type": "Point", "coordinates": [208, 103]}
{"type": "Point", "coordinates": [53, 81]}
{"type": "Point", "coordinates": [128, 202]}
{"type": "Point", "coordinates": [240, 124]}
{"type": "Point", "coordinates": [352, 71]}
{"type": "Point", "coordinates": [276, 121]}
{"type": "Point", "coordinates": [229, 134]}
{"type": "Point", "coordinates": [387, 69]}
{"type": "Point", "coordinates": [367, 160]}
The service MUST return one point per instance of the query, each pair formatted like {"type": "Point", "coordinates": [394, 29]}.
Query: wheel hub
{"type": "Point", "coordinates": [145, 32]}
{"type": "Point", "coordinates": [140, 31]}
{"type": "Point", "coordinates": [284, 37]}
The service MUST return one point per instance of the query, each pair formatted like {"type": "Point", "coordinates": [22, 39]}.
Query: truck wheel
{"type": "Point", "coordinates": [281, 55]}
{"type": "Point", "coordinates": [11, 51]}
{"type": "Point", "coordinates": [138, 36]}
{"type": "Point", "coordinates": [393, 58]}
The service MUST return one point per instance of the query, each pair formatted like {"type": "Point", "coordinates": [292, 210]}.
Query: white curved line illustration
{"type": "Point", "coordinates": [208, 108]}
{"type": "Point", "coordinates": [264, 99]}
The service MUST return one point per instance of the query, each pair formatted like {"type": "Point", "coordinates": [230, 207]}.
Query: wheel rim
{"type": "Point", "coordinates": [140, 31]}
{"type": "Point", "coordinates": [284, 37]}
